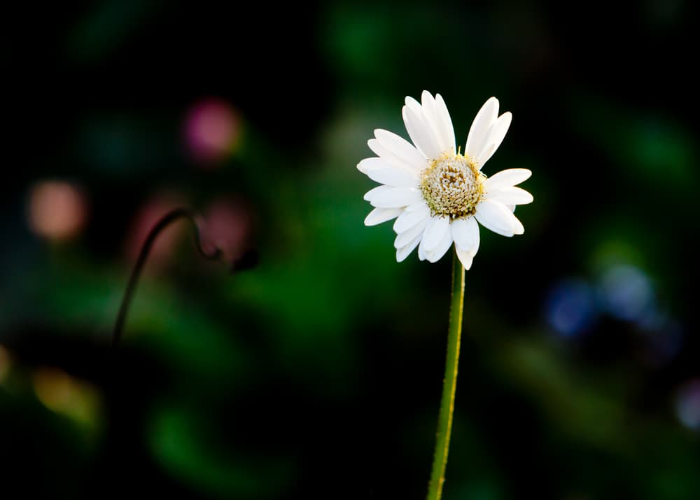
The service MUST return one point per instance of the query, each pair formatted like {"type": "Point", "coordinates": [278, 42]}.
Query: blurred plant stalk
{"type": "Point", "coordinates": [164, 222]}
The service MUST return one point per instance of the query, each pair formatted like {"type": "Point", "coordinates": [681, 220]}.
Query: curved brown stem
{"type": "Point", "coordinates": [165, 221]}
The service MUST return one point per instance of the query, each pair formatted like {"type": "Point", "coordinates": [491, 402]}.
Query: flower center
{"type": "Point", "coordinates": [452, 186]}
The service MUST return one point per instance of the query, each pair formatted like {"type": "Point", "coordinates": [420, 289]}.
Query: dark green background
{"type": "Point", "coordinates": [317, 373]}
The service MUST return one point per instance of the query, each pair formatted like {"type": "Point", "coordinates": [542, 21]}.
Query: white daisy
{"type": "Point", "coordinates": [436, 194]}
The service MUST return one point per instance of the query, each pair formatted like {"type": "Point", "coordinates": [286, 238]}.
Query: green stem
{"type": "Point", "coordinates": [447, 405]}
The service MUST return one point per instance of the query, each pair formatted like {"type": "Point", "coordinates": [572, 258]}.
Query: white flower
{"type": "Point", "coordinates": [435, 194]}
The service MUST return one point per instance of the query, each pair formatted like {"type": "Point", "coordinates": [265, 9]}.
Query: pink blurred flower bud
{"type": "Point", "coordinates": [227, 228]}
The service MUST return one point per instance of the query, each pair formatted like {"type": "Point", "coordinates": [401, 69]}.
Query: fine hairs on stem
{"type": "Point", "coordinates": [444, 429]}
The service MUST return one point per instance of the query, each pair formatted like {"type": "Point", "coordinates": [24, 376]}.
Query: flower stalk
{"type": "Point", "coordinates": [165, 221]}
{"type": "Point", "coordinates": [449, 388]}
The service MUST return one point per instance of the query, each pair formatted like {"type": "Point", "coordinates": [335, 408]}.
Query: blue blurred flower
{"type": "Point", "coordinates": [571, 307]}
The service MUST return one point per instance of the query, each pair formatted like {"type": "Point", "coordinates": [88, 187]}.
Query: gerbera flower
{"type": "Point", "coordinates": [435, 193]}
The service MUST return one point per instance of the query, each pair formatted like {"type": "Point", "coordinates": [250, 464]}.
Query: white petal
{"type": "Point", "coordinates": [413, 104]}
{"type": "Point", "coordinates": [371, 163]}
{"type": "Point", "coordinates": [445, 123]}
{"type": "Point", "coordinates": [396, 197]}
{"type": "Point", "coordinates": [510, 196]}
{"type": "Point", "coordinates": [386, 155]}
{"type": "Point", "coordinates": [392, 177]}
{"type": "Point", "coordinates": [430, 114]}
{"type": "Point", "coordinates": [404, 251]}
{"type": "Point", "coordinates": [401, 148]}
{"type": "Point", "coordinates": [379, 215]}
{"type": "Point", "coordinates": [435, 232]}
{"type": "Point", "coordinates": [377, 148]}
{"type": "Point", "coordinates": [496, 135]}
{"type": "Point", "coordinates": [419, 205]}
{"type": "Point", "coordinates": [505, 216]}
{"type": "Point", "coordinates": [506, 178]}
{"type": "Point", "coordinates": [518, 227]}
{"type": "Point", "coordinates": [421, 132]}
{"type": "Point", "coordinates": [465, 258]}
{"type": "Point", "coordinates": [408, 219]}
{"type": "Point", "coordinates": [442, 248]}
{"type": "Point", "coordinates": [465, 233]}
{"type": "Point", "coordinates": [421, 249]}
{"type": "Point", "coordinates": [496, 217]}
{"type": "Point", "coordinates": [403, 239]}
{"type": "Point", "coordinates": [481, 126]}
{"type": "Point", "coordinates": [385, 173]}
{"type": "Point", "coordinates": [369, 195]}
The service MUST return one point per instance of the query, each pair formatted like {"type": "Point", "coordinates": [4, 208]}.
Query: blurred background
{"type": "Point", "coordinates": [316, 373]}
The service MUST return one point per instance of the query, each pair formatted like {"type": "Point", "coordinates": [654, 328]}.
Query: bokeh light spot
{"type": "Point", "coordinates": [66, 395]}
{"type": "Point", "coordinates": [212, 131]}
{"type": "Point", "coordinates": [57, 210]}
{"type": "Point", "coordinates": [571, 307]}
{"type": "Point", "coordinates": [626, 291]}
{"type": "Point", "coordinates": [688, 404]}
